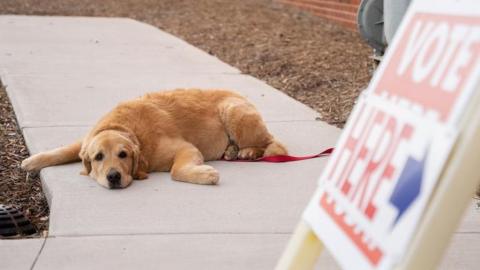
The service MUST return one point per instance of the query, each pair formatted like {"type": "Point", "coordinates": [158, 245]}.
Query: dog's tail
{"type": "Point", "coordinates": [275, 148]}
{"type": "Point", "coordinates": [61, 155]}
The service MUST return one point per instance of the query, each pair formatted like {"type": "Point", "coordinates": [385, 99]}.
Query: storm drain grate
{"type": "Point", "coordinates": [13, 223]}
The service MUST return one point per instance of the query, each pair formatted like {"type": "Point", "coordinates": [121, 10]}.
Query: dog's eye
{"type": "Point", "coordinates": [122, 154]}
{"type": "Point", "coordinates": [98, 156]}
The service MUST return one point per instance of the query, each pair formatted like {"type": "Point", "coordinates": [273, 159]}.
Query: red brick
{"type": "Point", "coordinates": [334, 5]}
{"type": "Point", "coordinates": [343, 12]}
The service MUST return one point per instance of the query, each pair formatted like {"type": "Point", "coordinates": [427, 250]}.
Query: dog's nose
{"type": "Point", "coordinates": [114, 178]}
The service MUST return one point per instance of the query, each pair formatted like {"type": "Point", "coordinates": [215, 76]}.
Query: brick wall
{"type": "Point", "coordinates": [343, 12]}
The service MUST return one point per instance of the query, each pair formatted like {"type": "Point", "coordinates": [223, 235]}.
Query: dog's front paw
{"type": "Point", "coordinates": [31, 164]}
{"type": "Point", "coordinates": [196, 174]}
{"type": "Point", "coordinates": [206, 175]}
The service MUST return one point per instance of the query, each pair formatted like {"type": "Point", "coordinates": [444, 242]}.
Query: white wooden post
{"type": "Point", "coordinates": [302, 251]}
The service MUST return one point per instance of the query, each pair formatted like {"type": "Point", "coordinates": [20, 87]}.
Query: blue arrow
{"type": "Point", "coordinates": [408, 186]}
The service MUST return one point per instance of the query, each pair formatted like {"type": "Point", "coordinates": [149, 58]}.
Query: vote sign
{"type": "Point", "coordinates": [387, 162]}
{"type": "Point", "coordinates": [434, 62]}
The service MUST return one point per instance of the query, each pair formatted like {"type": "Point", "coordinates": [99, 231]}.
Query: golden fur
{"type": "Point", "coordinates": [172, 131]}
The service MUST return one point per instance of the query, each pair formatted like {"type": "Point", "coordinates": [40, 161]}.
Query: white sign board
{"type": "Point", "coordinates": [385, 167]}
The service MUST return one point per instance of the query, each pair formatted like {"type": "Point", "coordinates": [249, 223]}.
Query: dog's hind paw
{"type": "Point", "coordinates": [250, 153]}
{"type": "Point", "coordinates": [231, 153]}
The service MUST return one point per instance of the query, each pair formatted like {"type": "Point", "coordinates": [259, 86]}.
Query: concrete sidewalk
{"type": "Point", "coordinates": [63, 73]}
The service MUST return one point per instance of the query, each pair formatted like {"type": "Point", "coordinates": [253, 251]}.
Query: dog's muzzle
{"type": "Point", "coordinates": [114, 178]}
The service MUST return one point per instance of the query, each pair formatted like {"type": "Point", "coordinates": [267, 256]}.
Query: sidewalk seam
{"type": "Point", "coordinates": [171, 233]}
{"type": "Point", "coordinates": [39, 252]}
{"type": "Point", "coordinates": [57, 126]}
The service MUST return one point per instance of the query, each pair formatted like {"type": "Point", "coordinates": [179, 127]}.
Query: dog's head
{"type": "Point", "coordinates": [113, 158]}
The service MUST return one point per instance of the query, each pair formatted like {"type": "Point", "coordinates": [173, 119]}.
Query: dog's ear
{"type": "Point", "coordinates": [87, 164]}
{"type": "Point", "coordinates": [139, 167]}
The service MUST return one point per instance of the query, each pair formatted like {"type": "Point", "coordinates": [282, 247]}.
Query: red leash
{"type": "Point", "coordinates": [285, 158]}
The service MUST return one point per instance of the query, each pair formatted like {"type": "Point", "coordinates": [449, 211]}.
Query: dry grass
{"type": "Point", "coordinates": [17, 187]}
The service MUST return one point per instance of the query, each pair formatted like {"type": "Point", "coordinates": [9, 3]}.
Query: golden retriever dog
{"type": "Point", "coordinates": [172, 131]}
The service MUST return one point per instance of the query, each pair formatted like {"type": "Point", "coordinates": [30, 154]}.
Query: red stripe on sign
{"type": "Point", "coordinates": [374, 255]}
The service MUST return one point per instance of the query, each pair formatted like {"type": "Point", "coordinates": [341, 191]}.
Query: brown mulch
{"type": "Point", "coordinates": [310, 59]}
{"type": "Point", "coordinates": [18, 188]}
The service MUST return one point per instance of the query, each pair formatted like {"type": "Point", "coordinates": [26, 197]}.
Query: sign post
{"type": "Point", "coordinates": [303, 249]}
{"type": "Point", "coordinates": [406, 164]}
